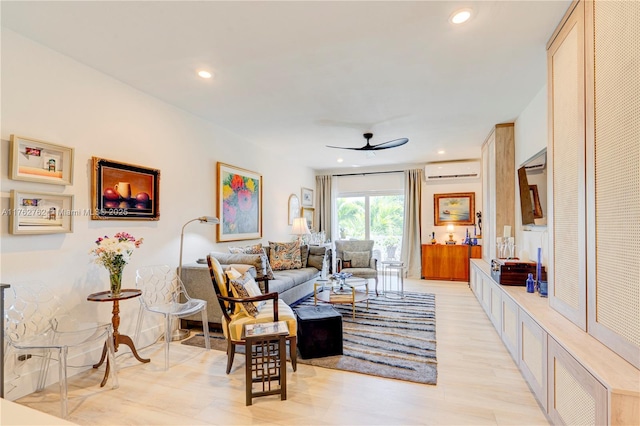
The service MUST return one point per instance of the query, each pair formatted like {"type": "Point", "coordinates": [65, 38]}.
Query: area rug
{"type": "Point", "coordinates": [393, 338]}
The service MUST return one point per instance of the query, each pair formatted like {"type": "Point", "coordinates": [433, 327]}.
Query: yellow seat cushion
{"type": "Point", "coordinates": [285, 313]}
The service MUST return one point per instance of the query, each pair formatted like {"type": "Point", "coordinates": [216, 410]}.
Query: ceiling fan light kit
{"type": "Point", "coordinates": [368, 147]}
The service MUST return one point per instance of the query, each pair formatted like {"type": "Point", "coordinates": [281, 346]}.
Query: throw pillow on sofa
{"type": "Point", "coordinates": [304, 255]}
{"type": "Point", "coordinates": [316, 257]}
{"type": "Point", "coordinates": [267, 272]}
{"type": "Point", "coordinates": [245, 286]}
{"type": "Point", "coordinates": [359, 259]}
{"type": "Point", "coordinates": [254, 260]}
{"type": "Point", "coordinates": [285, 255]}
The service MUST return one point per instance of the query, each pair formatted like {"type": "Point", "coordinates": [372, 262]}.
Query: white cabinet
{"type": "Point", "coordinates": [511, 326]}
{"type": "Point", "coordinates": [575, 378]}
{"type": "Point", "coordinates": [495, 305]}
{"type": "Point", "coordinates": [567, 268]}
{"type": "Point", "coordinates": [594, 151]}
{"type": "Point", "coordinates": [575, 396]}
{"type": "Point", "coordinates": [533, 356]}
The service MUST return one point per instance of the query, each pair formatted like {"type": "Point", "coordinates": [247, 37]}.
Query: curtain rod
{"type": "Point", "coordinates": [369, 173]}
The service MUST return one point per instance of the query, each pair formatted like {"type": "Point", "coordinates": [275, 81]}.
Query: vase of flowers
{"type": "Point", "coordinates": [114, 253]}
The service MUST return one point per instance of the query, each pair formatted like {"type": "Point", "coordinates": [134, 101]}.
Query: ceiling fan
{"type": "Point", "coordinates": [368, 147]}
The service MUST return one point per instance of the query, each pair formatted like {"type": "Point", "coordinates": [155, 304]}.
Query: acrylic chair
{"type": "Point", "coordinates": [163, 293]}
{"type": "Point", "coordinates": [36, 323]}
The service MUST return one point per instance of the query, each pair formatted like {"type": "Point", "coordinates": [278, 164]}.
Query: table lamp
{"type": "Point", "coordinates": [450, 230]}
{"type": "Point", "coordinates": [300, 228]}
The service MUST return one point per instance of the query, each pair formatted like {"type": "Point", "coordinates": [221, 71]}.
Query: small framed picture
{"type": "Point", "coordinates": [307, 197]}
{"type": "Point", "coordinates": [40, 213]}
{"type": "Point", "coordinates": [38, 161]}
{"type": "Point", "coordinates": [308, 213]}
{"type": "Point", "coordinates": [294, 208]}
{"type": "Point", "coordinates": [124, 191]}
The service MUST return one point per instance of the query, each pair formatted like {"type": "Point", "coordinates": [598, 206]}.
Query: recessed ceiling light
{"type": "Point", "coordinates": [441, 152]}
{"type": "Point", "coordinates": [460, 16]}
{"type": "Point", "coordinates": [340, 160]}
{"type": "Point", "coordinates": [205, 74]}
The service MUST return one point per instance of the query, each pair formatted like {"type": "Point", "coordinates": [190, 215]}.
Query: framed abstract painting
{"type": "Point", "coordinates": [239, 206]}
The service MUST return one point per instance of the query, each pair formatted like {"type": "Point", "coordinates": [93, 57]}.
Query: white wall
{"type": "Point", "coordinates": [530, 139]}
{"type": "Point", "coordinates": [47, 96]}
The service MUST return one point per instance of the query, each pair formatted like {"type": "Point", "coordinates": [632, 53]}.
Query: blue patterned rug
{"type": "Point", "coordinates": [394, 338]}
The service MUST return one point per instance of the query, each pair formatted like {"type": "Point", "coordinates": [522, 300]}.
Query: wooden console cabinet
{"type": "Point", "coordinates": [448, 262]}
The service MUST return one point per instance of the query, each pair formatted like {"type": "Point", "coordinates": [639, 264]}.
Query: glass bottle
{"type": "Point", "coordinates": [433, 238]}
{"type": "Point", "coordinates": [530, 284]}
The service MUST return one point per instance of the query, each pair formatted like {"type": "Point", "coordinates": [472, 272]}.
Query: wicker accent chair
{"type": "Point", "coordinates": [234, 318]}
{"type": "Point", "coordinates": [356, 257]}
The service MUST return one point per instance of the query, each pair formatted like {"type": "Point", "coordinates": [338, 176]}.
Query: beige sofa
{"type": "Point", "coordinates": [292, 285]}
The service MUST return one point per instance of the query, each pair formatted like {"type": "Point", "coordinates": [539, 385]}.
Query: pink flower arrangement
{"type": "Point", "coordinates": [115, 252]}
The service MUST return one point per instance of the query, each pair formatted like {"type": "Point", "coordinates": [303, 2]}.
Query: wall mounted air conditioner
{"type": "Point", "coordinates": [452, 170]}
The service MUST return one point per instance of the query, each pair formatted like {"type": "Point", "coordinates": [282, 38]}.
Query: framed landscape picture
{"type": "Point", "coordinates": [239, 205]}
{"type": "Point", "coordinates": [38, 161]}
{"type": "Point", "coordinates": [124, 191]}
{"type": "Point", "coordinates": [455, 208]}
{"type": "Point", "coordinates": [40, 213]}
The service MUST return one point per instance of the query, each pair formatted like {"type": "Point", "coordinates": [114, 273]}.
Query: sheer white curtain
{"type": "Point", "coordinates": [411, 246]}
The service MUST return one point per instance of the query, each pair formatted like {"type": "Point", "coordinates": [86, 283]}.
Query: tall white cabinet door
{"type": "Point", "coordinates": [567, 274]}
{"type": "Point", "coordinates": [613, 175]}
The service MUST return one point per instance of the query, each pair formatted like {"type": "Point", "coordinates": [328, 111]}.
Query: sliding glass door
{"type": "Point", "coordinates": [374, 216]}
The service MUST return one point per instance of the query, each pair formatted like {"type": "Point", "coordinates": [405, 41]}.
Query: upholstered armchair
{"type": "Point", "coordinates": [356, 257]}
{"type": "Point", "coordinates": [240, 310]}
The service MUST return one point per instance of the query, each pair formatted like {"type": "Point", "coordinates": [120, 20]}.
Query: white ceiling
{"type": "Point", "coordinates": [297, 76]}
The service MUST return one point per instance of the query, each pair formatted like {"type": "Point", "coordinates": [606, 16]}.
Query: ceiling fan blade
{"type": "Point", "coordinates": [368, 147]}
{"type": "Point", "coordinates": [343, 147]}
{"type": "Point", "coordinates": [390, 144]}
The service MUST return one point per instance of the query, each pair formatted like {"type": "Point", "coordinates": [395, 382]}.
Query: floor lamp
{"type": "Point", "coordinates": [179, 333]}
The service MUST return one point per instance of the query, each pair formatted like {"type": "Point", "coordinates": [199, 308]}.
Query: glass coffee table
{"type": "Point", "coordinates": [350, 291]}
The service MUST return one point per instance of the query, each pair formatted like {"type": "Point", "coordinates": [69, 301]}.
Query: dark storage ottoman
{"type": "Point", "coordinates": [319, 331]}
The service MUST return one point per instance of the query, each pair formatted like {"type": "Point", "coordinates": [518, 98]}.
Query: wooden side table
{"type": "Point", "coordinates": [107, 296]}
{"type": "Point", "coordinates": [266, 359]}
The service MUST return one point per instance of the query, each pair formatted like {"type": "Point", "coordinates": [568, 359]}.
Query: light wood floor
{"type": "Point", "coordinates": [478, 384]}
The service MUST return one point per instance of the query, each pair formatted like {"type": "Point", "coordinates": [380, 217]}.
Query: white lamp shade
{"type": "Point", "coordinates": [450, 228]}
{"type": "Point", "coordinates": [300, 226]}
